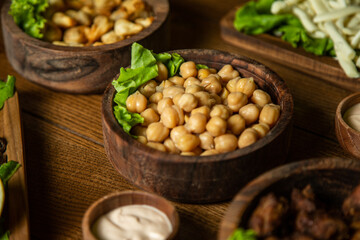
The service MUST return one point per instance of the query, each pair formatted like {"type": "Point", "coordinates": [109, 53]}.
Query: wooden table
{"type": "Point", "coordinates": [66, 164]}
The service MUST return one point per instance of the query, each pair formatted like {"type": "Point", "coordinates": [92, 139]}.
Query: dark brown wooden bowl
{"type": "Point", "coordinates": [118, 199]}
{"type": "Point", "coordinates": [332, 179]}
{"type": "Point", "coordinates": [348, 137]}
{"type": "Point", "coordinates": [200, 179]}
{"type": "Point", "coordinates": [78, 69]}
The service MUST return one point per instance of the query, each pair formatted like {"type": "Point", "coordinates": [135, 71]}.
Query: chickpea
{"type": "Point", "coordinates": [180, 113]}
{"type": "Point", "coordinates": [212, 70]}
{"type": "Point", "coordinates": [224, 94]}
{"type": "Point", "coordinates": [188, 69]}
{"type": "Point", "coordinates": [196, 123]}
{"type": "Point", "coordinates": [156, 97]}
{"type": "Point", "coordinates": [176, 98]}
{"type": "Point", "coordinates": [142, 139]}
{"type": "Point", "coordinates": [172, 91]}
{"type": "Point", "coordinates": [187, 102]}
{"type": "Point", "coordinates": [157, 132]}
{"type": "Point", "coordinates": [205, 110]}
{"type": "Point", "coordinates": [206, 141]}
{"type": "Point", "coordinates": [247, 137]}
{"type": "Point", "coordinates": [157, 146]}
{"type": "Point", "coordinates": [216, 97]}
{"type": "Point", "coordinates": [148, 89]}
{"type": "Point", "coordinates": [204, 99]}
{"type": "Point", "coordinates": [170, 146]}
{"type": "Point", "coordinates": [262, 129]}
{"type": "Point", "coordinates": [139, 131]}
{"type": "Point", "coordinates": [187, 142]}
{"type": "Point", "coordinates": [226, 143]}
{"type": "Point", "coordinates": [250, 113]}
{"type": "Point", "coordinates": [193, 89]}
{"type": "Point", "coordinates": [220, 110]}
{"type": "Point", "coordinates": [166, 84]}
{"type": "Point", "coordinates": [153, 106]}
{"type": "Point", "coordinates": [212, 84]}
{"type": "Point", "coordinates": [177, 80]}
{"type": "Point", "coordinates": [216, 126]}
{"type": "Point", "coordinates": [236, 124]}
{"type": "Point", "coordinates": [270, 114]}
{"type": "Point", "coordinates": [246, 85]}
{"type": "Point", "coordinates": [209, 152]}
{"type": "Point", "coordinates": [177, 132]}
{"type": "Point", "coordinates": [260, 97]}
{"type": "Point", "coordinates": [236, 100]}
{"type": "Point", "coordinates": [186, 117]}
{"type": "Point", "coordinates": [203, 73]}
{"type": "Point", "coordinates": [170, 117]}
{"type": "Point", "coordinates": [191, 81]}
{"type": "Point", "coordinates": [227, 73]}
{"type": "Point", "coordinates": [149, 116]}
{"type": "Point", "coordinates": [163, 103]}
{"type": "Point", "coordinates": [231, 85]}
{"type": "Point", "coordinates": [188, 154]}
{"type": "Point", "coordinates": [163, 71]}
{"type": "Point", "coordinates": [136, 102]}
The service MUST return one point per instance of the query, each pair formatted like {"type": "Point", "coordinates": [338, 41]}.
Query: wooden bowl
{"type": "Point", "coordinates": [348, 137]}
{"type": "Point", "coordinates": [332, 180]}
{"type": "Point", "coordinates": [118, 199]}
{"type": "Point", "coordinates": [77, 69]}
{"type": "Point", "coordinates": [200, 179]}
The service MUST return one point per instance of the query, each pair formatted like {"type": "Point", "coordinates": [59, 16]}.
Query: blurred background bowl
{"type": "Point", "coordinates": [78, 69]}
{"type": "Point", "coordinates": [332, 180]}
{"type": "Point", "coordinates": [119, 199]}
{"type": "Point", "coordinates": [200, 179]}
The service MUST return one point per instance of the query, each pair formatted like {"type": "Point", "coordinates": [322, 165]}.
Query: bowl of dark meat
{"type": "Point", "coordinates": [312, 199]}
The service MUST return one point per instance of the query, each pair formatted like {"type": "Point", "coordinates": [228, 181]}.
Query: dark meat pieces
{"type": "Point", "coordinates": [304, 200]}
{"type": "Point", "coordinates": [351, 205]}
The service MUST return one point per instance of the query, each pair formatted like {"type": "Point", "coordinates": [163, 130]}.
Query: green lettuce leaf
{"type": "Point", "coordinates": [6, 89]}
{"type": "Point", "coordinates": [27, 15]}
{"type": "Point", "coordinates": [241, 234]}
{"type": "Point", "coordinates": [171, 61]}
{"type": "Point", "coordinates": [5, 236]}
{"type": "Point", "coordinates": [201, 66]}
{"type": "Point", "coordinates": [256, 18]}
{"type": "Point", "coordinates": [7, 170]}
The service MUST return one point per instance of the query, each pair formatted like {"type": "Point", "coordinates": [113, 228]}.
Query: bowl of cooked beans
{"type": "Point", "coordinates": [312, 199]}
{"type": "Point", "coordinates": [205, 131]}
{"type": "Point", "coordinates": [84, 43]}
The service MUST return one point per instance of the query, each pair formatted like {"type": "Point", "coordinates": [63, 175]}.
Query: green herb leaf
{"type": "Point", "coordinates": [171, 61]}
{"type": "Point", "coordinates": [201, 66]}
{"type": "Point", "coordinates": [7, 170]}
{"type": "Point", "coordinates": [27, 15]}
{"type": "Point", "coordinates": [241, 234]}
{"type": "Point", "coordinates": [127, 119]}
{"type": "Point", "coordinates": [6, 89]}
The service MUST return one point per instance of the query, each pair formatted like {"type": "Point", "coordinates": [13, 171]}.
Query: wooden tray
{"type": "Point", "coordinates": [273, 48]}
{"type": "Point", "coordinates": [10, 128]}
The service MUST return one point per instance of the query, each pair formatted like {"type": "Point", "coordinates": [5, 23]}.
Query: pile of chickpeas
{"type": "Point", "coordinates": [95, 22]}
{"type": "Point", "coordinates": [201, 112]}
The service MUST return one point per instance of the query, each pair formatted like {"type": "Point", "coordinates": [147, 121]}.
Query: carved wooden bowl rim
{"type": "Point", "coordinates": [342, 107]}
{"type": "Point", "coordinates": [284, 121]}
{"type": "Point", "coordinates": [243, 199]}
{"type": "Point", "coordinates": [159, 7]}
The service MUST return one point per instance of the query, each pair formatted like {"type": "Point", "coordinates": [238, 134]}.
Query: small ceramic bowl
{"type": "Point", "coordinates": [348, 137]}
{"type": "Point", "coordinates": [119, 199]}
{"type": "Point", "coordinates": [200, 179]}
{"type": "Point", "coordinates": [332, 180]}
{"type": "Point", "coordinates": [78, 69]}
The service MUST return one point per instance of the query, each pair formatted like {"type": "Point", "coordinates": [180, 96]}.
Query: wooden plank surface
{"type": "Point", "coordinates": [17, 199]}
{"type": "Point", "coordinates": [66, 164]}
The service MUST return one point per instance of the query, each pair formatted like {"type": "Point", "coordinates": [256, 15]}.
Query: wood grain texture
{"type": "Point", "coordinates": [17, 198]}
{"type": "Point", "coordinates": [202, 179]}
{"type": "Point", "coordinates": [348, 137]}
{"type": "Point", "coordinates": [66, 163]}
{"type": "Point", "coordinates": [332, 180]}
{"type": "Point", "coordinates": [78, 69]}
{"type": "Point", "coordinates": [326, 68]}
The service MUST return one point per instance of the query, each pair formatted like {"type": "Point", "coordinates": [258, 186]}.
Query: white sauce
{"type": "Point", "coordinates": [133, 222]}
{"type": "Point", "coordinates": [352, 117]}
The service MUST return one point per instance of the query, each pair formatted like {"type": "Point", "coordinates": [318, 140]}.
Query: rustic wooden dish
{"type": "Point", "coordinates": [332, 179]}
{"type": "Point", "coordinates": [348, 137]}
{"type": "Point", "coordinates": [78, 69]}
{"type": "Point", "coordinates": [202, 179]}
{"type": "Point", "coordinates": [17, 202]}
{"type": "Point", "coordinates": [271, 47]}
{"type": "Point", "coordinates": [114, 200]}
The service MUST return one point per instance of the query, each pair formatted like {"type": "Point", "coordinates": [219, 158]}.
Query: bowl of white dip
{"type": "Point", "coordinates": [130, 215]}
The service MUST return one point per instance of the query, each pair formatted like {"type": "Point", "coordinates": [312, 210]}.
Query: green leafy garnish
{"type": "Point", "coordinates": [6, 90]}
{"type": "Point", "coordinates": [241, 234]}
{"type": "Point", "coordinates": [7, 170]}
{"type": "Point", "coordinates": [201, 66]}
{"type": "Point", "coordinates": [171, 61]}
{"type": "Point", "coordinates": [27, 15]}
{"type": "Point", "coordinates": [256, 18]}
